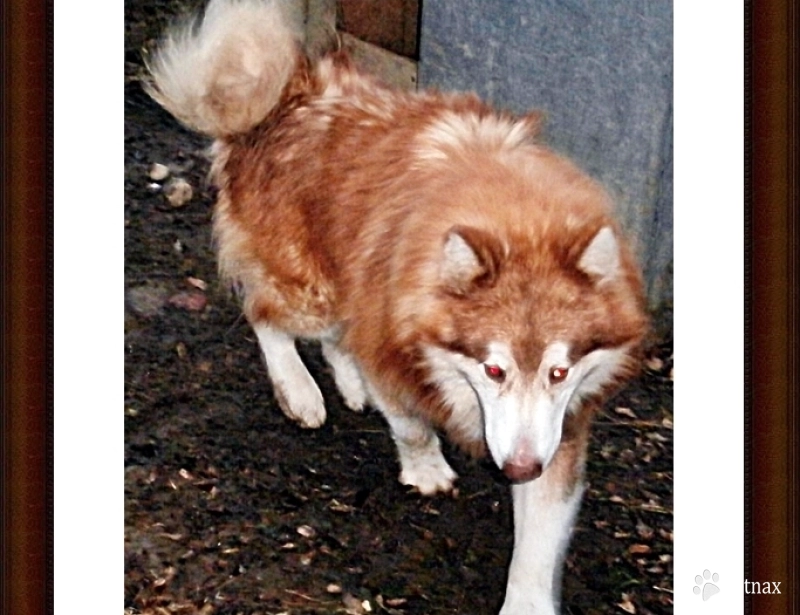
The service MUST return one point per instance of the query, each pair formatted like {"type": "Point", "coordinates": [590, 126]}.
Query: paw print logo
{"type": "Point", "coordinates": [704, 584]}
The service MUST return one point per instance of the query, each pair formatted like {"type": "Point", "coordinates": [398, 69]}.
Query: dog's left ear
{"type": "Point", "coordinates": [533, 122]}
{"type": "Point", "coordinates": [471, 259]}
{"type": "Point", "coordinates": [601, 259]}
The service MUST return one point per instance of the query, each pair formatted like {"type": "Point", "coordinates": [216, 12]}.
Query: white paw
{"type": "Point", "coordinates": [303, 405]}
{"type": "Point", "coordinates": [428, 475]}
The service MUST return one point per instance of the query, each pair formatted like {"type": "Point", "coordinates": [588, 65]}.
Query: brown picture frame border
{"type": "Point", "coordinates": [26, 320]}
{"type": "Point", "coordinates": [772, 255]}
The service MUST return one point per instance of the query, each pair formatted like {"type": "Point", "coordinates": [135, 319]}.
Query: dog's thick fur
{"type": "Point", "coordinates": [460, 276]}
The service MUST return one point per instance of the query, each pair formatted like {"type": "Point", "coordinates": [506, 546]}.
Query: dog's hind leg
{"type": "Point", "coordinates": [422, 464]}
{"type": "Point", "coordinates": [298, 395]}
{"type": "Point", "coordinates": [346, 374]}
{"type": "Point", "coordinates": [544, 513]}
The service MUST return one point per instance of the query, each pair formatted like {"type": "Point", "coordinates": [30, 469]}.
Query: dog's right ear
{"type": "Point", "coordinates": [471, 259]}
{"type": "Point", "coordinates": [601, 258]}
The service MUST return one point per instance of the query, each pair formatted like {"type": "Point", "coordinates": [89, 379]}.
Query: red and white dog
{"type": "Point", "coordinates": [459, 275]}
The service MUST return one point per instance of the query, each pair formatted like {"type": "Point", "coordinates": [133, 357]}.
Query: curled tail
{"type": "Point", "coordinates": [222, 74]}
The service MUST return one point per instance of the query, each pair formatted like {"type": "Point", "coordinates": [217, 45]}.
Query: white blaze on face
{"type": "Point", "coordinates": [523, 414]}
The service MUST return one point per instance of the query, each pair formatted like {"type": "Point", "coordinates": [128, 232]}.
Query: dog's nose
{"type": "Point", "coordinates": [521, 472]}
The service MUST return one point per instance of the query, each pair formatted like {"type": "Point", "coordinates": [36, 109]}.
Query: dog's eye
{"type": "Point", "coordinates": [558, 374]}
{"type": "Point", "coordinates": [495, 372]}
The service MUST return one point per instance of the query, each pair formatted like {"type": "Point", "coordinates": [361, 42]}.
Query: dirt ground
{"type": "Point", "coordinates": [232, 509]}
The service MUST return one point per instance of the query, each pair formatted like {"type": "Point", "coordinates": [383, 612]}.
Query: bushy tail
{"type": "Point", "coordinates": [222, 74]}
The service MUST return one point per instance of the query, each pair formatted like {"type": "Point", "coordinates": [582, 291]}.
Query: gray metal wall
{"type": "Point", "coordinates": [602, 72]}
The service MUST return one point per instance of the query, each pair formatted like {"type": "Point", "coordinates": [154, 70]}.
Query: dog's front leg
{"type": "Point", "coordinates": [422, 464]}
{"type": "Point", "coordinates": [544, 513]}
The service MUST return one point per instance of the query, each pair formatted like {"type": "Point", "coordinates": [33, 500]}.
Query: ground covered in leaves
{"type": "Point", "coordinates": [232, 509]}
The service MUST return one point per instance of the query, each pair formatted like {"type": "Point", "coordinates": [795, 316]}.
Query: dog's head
{"type": "Point", "coordinates": [531, 319]}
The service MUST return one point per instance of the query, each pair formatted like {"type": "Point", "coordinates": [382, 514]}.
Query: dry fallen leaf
{"type": "Point", "coordinates": [306, 531]}
{"type": "Point", "coordinates": [337, 506]}
{"type": "Point", "coordinates": [654, 364]}
{"type": "Point", "coordinates": [192, 300]}
{"type": "Point", "coordinates": [354, 606]}
{"type": "Point", "coordinates": [626, 604]}
{"type": "Point", "coordinates": [625, 412]}
{"type": "Point", "coordinates": [178, 192]}
{"type": "Point", "coordinates": [158, 172]}
{"type": "Point", "coordinates": [645, 531]}
{"type": "Point", "coordinates": [197, 283]}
